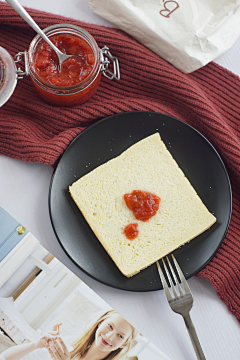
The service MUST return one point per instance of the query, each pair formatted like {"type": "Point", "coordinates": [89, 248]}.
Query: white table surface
{"type": "Point", "coordinates": [24, 194]}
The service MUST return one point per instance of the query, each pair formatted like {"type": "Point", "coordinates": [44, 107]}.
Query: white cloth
{"type": "Point", "coordinates": [187, 33]}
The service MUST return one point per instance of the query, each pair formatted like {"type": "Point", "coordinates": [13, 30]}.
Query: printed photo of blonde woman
{"type": "Point", "coordinates": [109, 337]}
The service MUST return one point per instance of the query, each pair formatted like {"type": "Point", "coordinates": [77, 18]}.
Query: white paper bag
{"type": "Point", "coordinates": [186, 33]}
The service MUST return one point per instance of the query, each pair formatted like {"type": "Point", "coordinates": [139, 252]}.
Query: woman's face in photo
{"type": "Point", "coordinates": [112, 333]}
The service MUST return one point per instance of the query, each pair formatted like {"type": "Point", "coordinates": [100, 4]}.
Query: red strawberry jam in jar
{"type": "Point", "coordinates": [79, 76]}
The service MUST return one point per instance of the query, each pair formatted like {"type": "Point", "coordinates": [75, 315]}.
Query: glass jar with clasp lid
{"type": "Point", "coordinates": [79, 77]}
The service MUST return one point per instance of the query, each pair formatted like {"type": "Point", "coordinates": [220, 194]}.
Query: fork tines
{"type": "Point", "coordinates": [181, 303]}
{"type": "Point", "coordinates": [174, 276]}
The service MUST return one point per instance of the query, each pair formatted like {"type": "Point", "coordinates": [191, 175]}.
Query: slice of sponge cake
{"type": "Point", "coordinates": [146, 166]}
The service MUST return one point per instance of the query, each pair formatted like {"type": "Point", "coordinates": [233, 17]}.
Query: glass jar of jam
{"type": "Point", "coordinates": [79, 77]}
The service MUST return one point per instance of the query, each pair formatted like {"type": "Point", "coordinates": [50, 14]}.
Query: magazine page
{"type": "Point", "coordinates": [47, 312]}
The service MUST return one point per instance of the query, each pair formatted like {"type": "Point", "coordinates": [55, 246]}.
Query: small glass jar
{"type": "Point", "coordinates": [79, 92]}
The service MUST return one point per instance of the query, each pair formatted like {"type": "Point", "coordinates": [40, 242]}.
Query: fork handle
{"type": "Point", "coordinates": [193, 336]}
{"type": "Point", "coordinates": [24, 14]}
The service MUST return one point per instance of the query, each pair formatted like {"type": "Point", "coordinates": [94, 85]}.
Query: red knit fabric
{"type": "Point", "coordinates": [207, 99]}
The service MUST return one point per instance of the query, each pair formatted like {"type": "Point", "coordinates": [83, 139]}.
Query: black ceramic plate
{"type": "Point", "coordinates": [107, 139]}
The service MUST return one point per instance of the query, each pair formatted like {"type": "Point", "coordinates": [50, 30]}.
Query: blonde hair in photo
{"type": "Point", "coordinates": [82, 344]}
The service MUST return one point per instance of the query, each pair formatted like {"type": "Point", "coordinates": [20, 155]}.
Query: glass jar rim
{"type": "Point", "coordinates": [78, 31]}
{"type": "Point", "coordinates": [2, 73]}
{"type": "Point", "coordinates": [8, 76]}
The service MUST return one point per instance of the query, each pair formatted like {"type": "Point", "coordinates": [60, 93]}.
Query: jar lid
{"type": "Point", "coordinates": [8, 76]}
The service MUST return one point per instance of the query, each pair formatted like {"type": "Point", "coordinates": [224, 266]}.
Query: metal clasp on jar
{"type": "Point", "coordinates": [105, 59]}
{"type": "Point", "coordinates": [19, 57]}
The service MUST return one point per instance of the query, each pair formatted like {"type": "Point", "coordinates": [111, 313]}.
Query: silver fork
{"type": "Point", "coordinates": [181, 303]}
